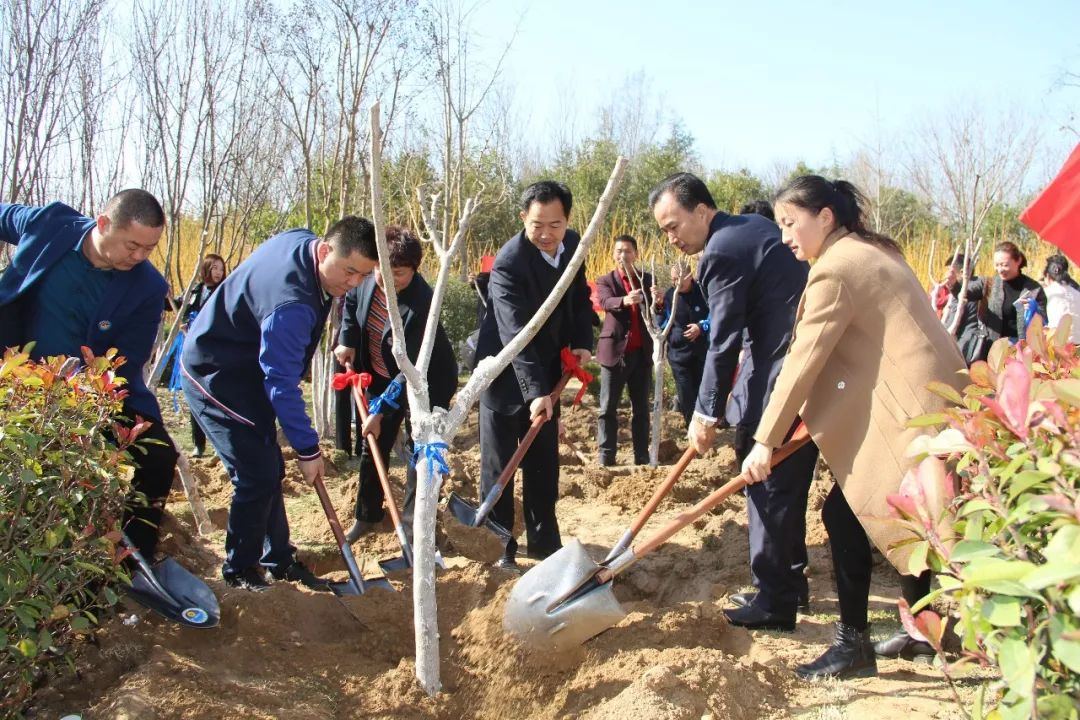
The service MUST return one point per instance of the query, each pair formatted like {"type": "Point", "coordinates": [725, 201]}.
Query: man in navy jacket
{"type": "Point", "coordinates": [242, 365]}
{"type": "Point", "coordinates": [365, 342]}
{"type": "Point", "coordinates": [77, 281]}
{"type": "Point", "coordinates": [752, 283]}
{"type": "Point", "coordinates": [525, 272]}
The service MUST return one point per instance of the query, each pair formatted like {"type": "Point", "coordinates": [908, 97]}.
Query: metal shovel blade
{"type": "Point", "coordinates": [396, 564]}
{"type": "Point", "coordinates": [186, 599]}
{"type": "Point", "coordinates": [543, 610]}
{"type": "Point", "coordinates": [465, 513]}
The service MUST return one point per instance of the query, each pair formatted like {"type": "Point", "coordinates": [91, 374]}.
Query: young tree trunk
{"type": "Point", "coordinates": [432, 426]}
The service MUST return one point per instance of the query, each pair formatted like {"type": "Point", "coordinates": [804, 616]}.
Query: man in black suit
{"type": "Point", "coordinates": [525, 272]}
{"type": "Point", "coordinates": [624, 352]}
{"type": "Point", "coordinates": [365, 342]}
{"type": "Point", "coordinates": [752, 282]}
{"type": "Point", "coordinates": [687, 341]}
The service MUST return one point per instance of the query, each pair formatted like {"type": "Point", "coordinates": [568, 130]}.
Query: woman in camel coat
{"type": "Point", "coordinates": [866, 344]}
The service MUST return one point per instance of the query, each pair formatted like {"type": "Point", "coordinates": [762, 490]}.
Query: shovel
{"type": "Point", "coordinates": [567, 598]}
{"type": "Point", "coordinates": [797, 440]}
{"type": "Point", "coordinates": [403, 561]}
{"type": "Point", "coordinates": [355, 585]}
{"type": "Point", "coordinates": [472, 516]}
{"type": "Point", "coordinates": [172, 592]}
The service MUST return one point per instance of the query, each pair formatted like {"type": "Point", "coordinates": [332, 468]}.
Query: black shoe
{"type": "Point", "coordinates": [753, 617]}
{"type": "Point", "coordinates": [641, 461]}
{"type": "Point", "coordinates": [606, 462]}
{"type": "Point", "coordinates": [541, 554]}
{"type": "Point", "coordinates": [851, 655]}
{"type": "Point", "coordinates": [252, 579]}
{"type": "Point", "coordinates": [299, 572]}
{"type": "Point", "coordinates": [507, 563]}
{"type": "Point", "coordinates": [199, 452]}
{"type": "Point", "coordinates": [902, 645]}
{"type": "Point", "coordinates": [745, 598]}
{"type": "Point", "coordinates": [359, 529]}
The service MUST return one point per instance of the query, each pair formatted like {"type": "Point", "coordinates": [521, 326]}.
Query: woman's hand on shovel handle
{"type": "Point", "coordinates": [312, 470]}
{"type": "Point", "coordinates": [757, 464]}
{"type": "Point", "coordinates": [344, 355]}
{"type": "Point", "coordinates": [372, 426]}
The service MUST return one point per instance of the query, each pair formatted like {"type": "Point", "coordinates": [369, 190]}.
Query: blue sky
{"type": "Point", "coordinates": [773, 82]}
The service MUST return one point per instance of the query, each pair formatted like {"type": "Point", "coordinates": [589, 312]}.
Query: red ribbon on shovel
{"type": "Point", "coordinates": [345, 379]}
{"type": "Point", "coordinates": [573, 368]}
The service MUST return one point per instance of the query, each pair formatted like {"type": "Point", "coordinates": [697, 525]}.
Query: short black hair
{"type": "Point", "coordinates": [405, 248]}
{"type": "Point", "coordinates": [353, 234]}
{"type": "Point", "coordinates": [758, 207]}
{"type": "Point", "coordinates": [687, 189]}
{"type": "Point", "coordinates": [547, 191]}
{"type": "Point", "coordinates": [134, 205]}
{"type": "Point", "coordinates": [627, 239]}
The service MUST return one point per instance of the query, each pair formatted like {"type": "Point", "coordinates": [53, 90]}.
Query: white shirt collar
{"type": "Point", "coordinates": [553, 261]}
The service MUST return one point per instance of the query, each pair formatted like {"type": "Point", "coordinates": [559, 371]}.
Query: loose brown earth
{"type": "Point", "coordinates": [290, 653]}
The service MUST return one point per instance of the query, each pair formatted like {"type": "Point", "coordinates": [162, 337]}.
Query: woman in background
{"type": "Point", "coordinates": [1062, 295]}
{"type": "Point", "coordinates": [213, 274]}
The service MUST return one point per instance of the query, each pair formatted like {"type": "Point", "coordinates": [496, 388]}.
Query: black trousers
{"type": "Point", "coordinates": [635, 374]}
{"type": "Point", "coordinates": [343, 415]}
{"type": "Point", "coordinates": [852, 562]}
{"type": "Point", "coordinates": [198, 437]}
{"type": "Point", "coordinates": [153, 477]}
{"type": "Point", "coordinates": [687, 373]}
{"type": "Point", "coordinates": [369, 496]}
{"type": "Point", "coordinates": [499, 436]}
{"type": "Point", "coordinates": [776, 511]}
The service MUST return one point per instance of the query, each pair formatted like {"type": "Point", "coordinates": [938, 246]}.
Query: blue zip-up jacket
{"type": "Point", "coordinates": [127, 317]}
{"type": "Point", "coordinates": [251, 344]}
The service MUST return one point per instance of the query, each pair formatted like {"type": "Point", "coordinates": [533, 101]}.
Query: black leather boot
{"type": "Point", "coordinates": [851, 655]}
{"type": "Point", "coordinates": [902, 645]}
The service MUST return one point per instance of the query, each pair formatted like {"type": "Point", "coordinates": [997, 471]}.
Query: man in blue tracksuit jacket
{"type": "Point", "coordinates": [241, 368]}
{"type": "Point", "coordinates": [77, 281]}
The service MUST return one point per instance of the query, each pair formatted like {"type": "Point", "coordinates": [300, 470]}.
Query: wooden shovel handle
{"type": "Point", "coordinates": [376, 455]}
{"type": "Point", "coordinates": [798, 439]}
{"type": "Point", "coordinates": [534, 428]}
{"type": "Point", "coordinates": [661, 492]}
{"type": "Point", "coordinates": [331, 514]}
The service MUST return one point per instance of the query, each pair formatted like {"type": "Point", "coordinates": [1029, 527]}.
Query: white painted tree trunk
{"type": "Point", "coordinates": [437, 425]}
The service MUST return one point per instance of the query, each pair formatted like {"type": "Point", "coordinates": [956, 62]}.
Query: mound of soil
{"type": "Point", "coordinates": [291, 653]}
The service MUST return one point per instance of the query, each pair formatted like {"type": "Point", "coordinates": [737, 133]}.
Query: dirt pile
{"type": "Point", "coordinates": [292, 653]}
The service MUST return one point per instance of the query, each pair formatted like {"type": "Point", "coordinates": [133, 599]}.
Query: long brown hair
{"type": "Point", "coordinates": [815, 193]}
{"type": "Point", "coordinates": [208, 265]}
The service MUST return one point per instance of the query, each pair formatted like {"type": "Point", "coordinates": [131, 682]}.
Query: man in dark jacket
{"type": "Point", "coordinates": [365, 342]}
{"type": "Point", "coordinates": [752, 282]}
{"type": "Point", "coordinates": [77, 281]}
{"type": "Point", "coordinates": [624, 352]}
{"type": "Point", "coordinates": [687, 341]}
{"type": "Point", "coordinates": [525, 272]}
{"type": "Point", "coordinates": [242, 364]}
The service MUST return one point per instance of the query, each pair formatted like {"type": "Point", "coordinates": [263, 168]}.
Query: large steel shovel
{"type": "Point", "coordinates": [471, 516]}
{"type": "Point", "coordinates": [172, 592]}
{"type": "Point", "coordinates": [356, 584]}
{"type": "Point", "coordinates": [567, 598]}
{"type": "Point", "coordinates": [403, 561]}
{"type": "Point", "coordinates": [800, 436]}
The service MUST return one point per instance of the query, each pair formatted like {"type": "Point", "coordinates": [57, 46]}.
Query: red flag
{"type": "Point", "coordinates": [1055, 214]}
{"type": "Point", "coordinates": [486, 263]}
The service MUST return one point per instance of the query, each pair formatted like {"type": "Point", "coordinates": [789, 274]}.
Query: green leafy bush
{"type": "Point", "coordinates": [62, 486]}
{"type": "Point", "coordinates": [458, 316]}
{"type": "Point", "coordinates": [1003, 533]}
